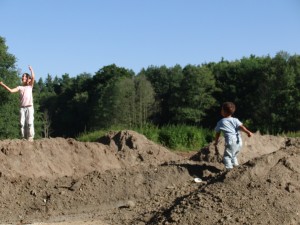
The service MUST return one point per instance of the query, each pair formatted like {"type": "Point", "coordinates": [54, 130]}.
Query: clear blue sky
{"type": "Point", "coordinates": [76, 36]}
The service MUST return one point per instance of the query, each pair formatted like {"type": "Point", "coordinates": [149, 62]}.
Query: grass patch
{"type": "Point", "coordinates": [292, 134]}
{"type": "Point", "coordinates": [175, 137]}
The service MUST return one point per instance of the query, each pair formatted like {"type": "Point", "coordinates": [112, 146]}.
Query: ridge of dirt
{"type": "Point", "coordinates": [265, 190]}
{"type": "Point", "coordinates": [58, 157]}
{"type": "Point", "coordinates": [127, 179]}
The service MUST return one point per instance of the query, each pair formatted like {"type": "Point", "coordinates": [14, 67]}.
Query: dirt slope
{"type": "Point", "coordinates": [127, 179]}
{"type": "Point", "coordinates": [265, 190]}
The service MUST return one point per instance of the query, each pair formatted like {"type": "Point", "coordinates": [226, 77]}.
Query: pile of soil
{"type": "Point", "coordinates": [124, 178]}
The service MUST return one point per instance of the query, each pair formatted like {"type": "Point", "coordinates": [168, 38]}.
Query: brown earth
{"type": "Point", "coordinates": [127, 179]}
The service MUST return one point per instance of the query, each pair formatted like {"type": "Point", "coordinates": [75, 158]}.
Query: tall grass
{"type": "Point", "coordinates": [150, 131]}
{"type": "Point", "coordinates": [91, 136]}
{"type": "Point", "coordinates": [292, 134]}
{"type": "Point", "coordinates": [95, 135]}
{"type": "Point", "coordinates": [183, 137]}
{"type": "Point", "coordinates": [175, 137]}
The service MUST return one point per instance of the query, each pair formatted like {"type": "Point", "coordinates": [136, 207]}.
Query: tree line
{"type": "Point", "coordinates": [265, 89]}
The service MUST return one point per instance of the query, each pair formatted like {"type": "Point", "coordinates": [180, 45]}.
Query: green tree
{"type": "Point", "coordinates": [119, 103]}
{"type": "Point", "coordinates": [102, 96]}
{"type": "Point", "coordinates": [69, 111]}
{"type": "Point", "coordinates": [195, 96]}
{"type": "Point", "coordinates": [265, 90]}
{"type": "Point", "coordinates": [285, 94]}
{"type": "Point", "coordinates": [9, 106]}
{"type": "Point", "coordinates": [252, 80]}
{"type": "Point", "coordinates": [294, 105]}
{"type": "Point", "coordinates": [145, 101]}
{"type": "Point", "coordinates": [166, 84]}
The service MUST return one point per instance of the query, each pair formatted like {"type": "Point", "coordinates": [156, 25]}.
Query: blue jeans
{"type": "Point", "coordinates": [230, 154]}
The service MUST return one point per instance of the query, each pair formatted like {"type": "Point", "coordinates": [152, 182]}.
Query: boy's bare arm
{"type": "Point", "coordinates": [244, 129]}
{"type": "Point", "coordinates": [8, 88]}
{"type": "Point", "coordinates": [217, 138]}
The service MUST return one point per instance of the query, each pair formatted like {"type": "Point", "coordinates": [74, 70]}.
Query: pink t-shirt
{"type": "Point", "coordinates": [25, 95]}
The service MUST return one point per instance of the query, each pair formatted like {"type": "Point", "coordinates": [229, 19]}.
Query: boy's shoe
{"type": "Point", "coordinates": [30, 139]}
{"type": "Point", "coordinates": [235, 162]}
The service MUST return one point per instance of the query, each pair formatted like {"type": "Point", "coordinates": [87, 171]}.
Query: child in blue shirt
{"type": "Point", "coordinates": [230, 127]}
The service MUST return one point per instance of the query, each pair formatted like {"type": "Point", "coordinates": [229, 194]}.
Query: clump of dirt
{"type": "Point", "coordinates": [127, 179]}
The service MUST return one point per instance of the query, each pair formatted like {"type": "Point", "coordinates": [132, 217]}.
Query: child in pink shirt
{"type": "Point", "coordinates": [26, 104]}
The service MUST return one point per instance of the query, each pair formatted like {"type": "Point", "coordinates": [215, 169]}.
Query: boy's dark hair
{"type": "Point", "coordinates": [228, 107]}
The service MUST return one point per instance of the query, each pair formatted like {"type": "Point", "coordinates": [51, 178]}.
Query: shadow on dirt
{"type": "Point", "coordinates": [203, 171]}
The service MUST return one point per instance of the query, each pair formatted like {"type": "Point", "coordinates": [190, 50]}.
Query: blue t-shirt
{"type": "Point", "coordinates": [230, 128]}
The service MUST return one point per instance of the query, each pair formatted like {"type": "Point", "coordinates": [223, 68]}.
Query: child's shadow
{"type": "Point", "coordinates": [205, 172]}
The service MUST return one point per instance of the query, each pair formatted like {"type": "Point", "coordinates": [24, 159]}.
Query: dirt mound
{"type": "Point", "coordinates": [264, 190]}
{"type": "Point", "coordinates": [253, 147]}
{"type": "Point", "coordinates": [59, 157]}
{"type": "Point", "coordinates": [127, 179]}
